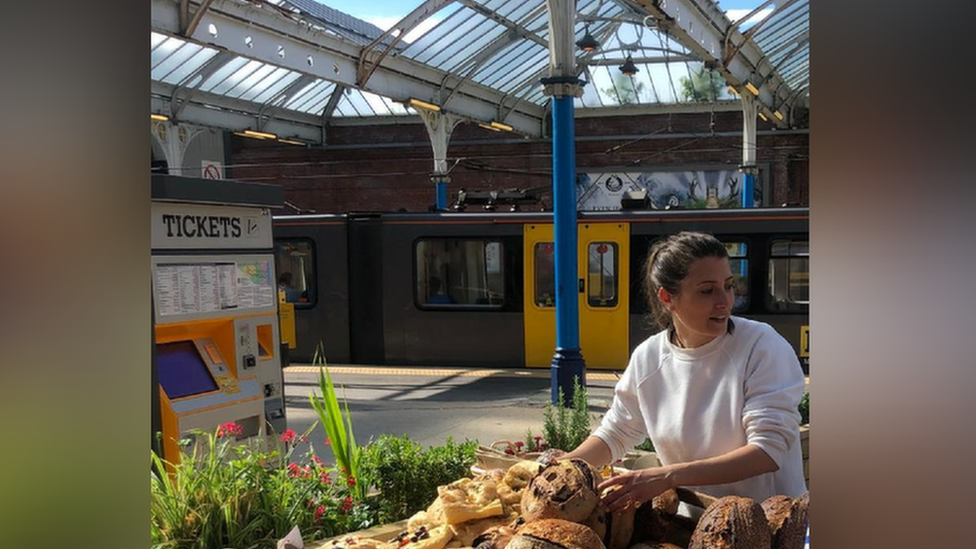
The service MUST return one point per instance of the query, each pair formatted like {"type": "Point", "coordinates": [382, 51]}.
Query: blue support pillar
{"type": "Point", "coordinates": [567, 362]}
{"type": "Point", "coordinates": [440, 182]}
{"type": "Point", "coordinates": [749, 186]}
{"type": "Point", "coordinates": [748, 190]}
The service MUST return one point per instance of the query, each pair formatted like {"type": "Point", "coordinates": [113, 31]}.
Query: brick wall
{"type": "Point", "coordinates": [387, 167]}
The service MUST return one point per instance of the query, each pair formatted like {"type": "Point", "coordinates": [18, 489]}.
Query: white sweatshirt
{"type": "Point", "coordinates": [741, 388]}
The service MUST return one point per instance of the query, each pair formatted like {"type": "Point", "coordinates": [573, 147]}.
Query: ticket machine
{"type": "Point", "coordinates": [217, 345]}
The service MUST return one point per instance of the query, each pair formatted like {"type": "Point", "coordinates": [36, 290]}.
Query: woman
{"type": "Point", "coordinates": [717, 395]}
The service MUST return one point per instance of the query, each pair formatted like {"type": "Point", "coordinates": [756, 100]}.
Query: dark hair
{"type": "Point", "coordinates": [668, 263]}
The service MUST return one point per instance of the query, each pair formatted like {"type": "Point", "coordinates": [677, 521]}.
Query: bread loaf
{"type": "Point", "coordinates": [621, 528]}
{"type": "Point", "coordinates": [555, 534]}
{"type": "Point", "coordinates": [787, 520]}
{"type": "Point", "coordinates": [650, 524]}
{"type": "Point", "coordinates": [666, 502]}
{"type": "Point", "coordinates": [732, 522]}
{"type": "Point", "coordinates": [564, 490]}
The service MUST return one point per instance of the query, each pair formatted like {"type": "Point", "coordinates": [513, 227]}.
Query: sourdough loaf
{"type": "Point", "coordinates": [564, 490]}
{"type": "Point", "coordinates": [787, 520]}
{"type": "Point", "coordinates": [732, 522]}
{"type": "Point", "coordinates": [555, 534]}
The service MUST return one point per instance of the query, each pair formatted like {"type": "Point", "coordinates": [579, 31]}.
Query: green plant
{"type": "Point", "coordinates": [647, 445]}
{"type": "Point", "coordinates": [804, 408]}
{"type": "Point", "coordinates": [626, 91]}
{"type": "Point", "coordinates": [564, 427]}
{"type": "Point", "coordinates": [338, 426]}
{"type": "Point", "coordinates": [407, 476]}
{"type": "Point", "coordinates": [227, 494]}
{"type": "Point", "coordinates": [704, 85]}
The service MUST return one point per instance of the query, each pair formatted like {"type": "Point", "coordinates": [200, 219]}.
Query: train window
{"type": "Point", "coordinates": [601, 274]}
{"type": "Point", "coordinates": [789, 275]}
{"type": "Point", "coordinates": [738, 260]}
{"type": "Point", "coordinates": [545, 275]}
{"type": "Point", "coordinates": [295, 265]}
{"type": "Point", "coordinates": [460, 273]}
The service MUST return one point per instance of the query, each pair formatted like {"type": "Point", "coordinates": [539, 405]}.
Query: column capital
{"type": "Point", "coordinates": [561, 86]}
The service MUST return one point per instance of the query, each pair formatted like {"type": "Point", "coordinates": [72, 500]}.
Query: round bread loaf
{"type": "Point", "coordinates": [666, 502]}
{"type": "Point", "coordinates": [555, 534]}
{"type": "Point", "coordinates": [621, 528]}
{"type": "Point", "coordinates": [732, 522]}
{"type": "Point", "coordinates": [787, 520]}
{"type": "Point", "coordinates": [598, 521]}
{"type": "Point", "coordinates": [564, 490]}
{"type": "Point", "coordinates": [650, 524]}
{"type": "Point", "coordinates": [496, 537]}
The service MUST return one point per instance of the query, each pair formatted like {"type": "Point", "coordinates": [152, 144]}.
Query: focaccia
{"type": "Point", "coordinates": [466, 499]}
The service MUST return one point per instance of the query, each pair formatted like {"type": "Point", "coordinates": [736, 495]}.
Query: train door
{"type": "Point", "coordinates": [540, 295]}
{"type": "Point", "coordinates": [604, 265]}
{"type": "Point", "coordinates": [604, 258]}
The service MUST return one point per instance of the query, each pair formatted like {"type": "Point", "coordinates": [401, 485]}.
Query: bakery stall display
{"type": "Point", "coordinates": [558, 506]}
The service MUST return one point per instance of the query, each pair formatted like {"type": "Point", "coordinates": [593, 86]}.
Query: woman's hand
{"type": "Point", "coordinates": [635, 487]}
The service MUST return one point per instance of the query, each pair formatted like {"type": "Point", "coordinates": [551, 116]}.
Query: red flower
{"type": "Point", "coordinates": [509, 451]}
{"type": "Point", "coordinates": [537, 439]}
{"type": "Point", "coordinates": [294, 470]}
{"type": "Point", "coordinates": [347, 504]}
{"type": "Point", "coordinates": [324, 477]}
{"type": "Point", "coordinates": [228, 429]}
{"type": "Point", "coordinates": [328, 442]}
{"type": "Point", "coordinates": [288, 436]}
{"type": "Point", "coordinates": [319, 511]}
{"type": "Point", "coordinates": [318, 461]}
{"type": "Point", "coordinates": [519, 444]}
{"type": "Point", "coordinates": [351, 481]}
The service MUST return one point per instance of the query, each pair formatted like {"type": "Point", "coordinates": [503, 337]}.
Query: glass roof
{"type": "Point", "coordinates": [501, 44]}
{"type": "Point", "coordinates": [785, 39]}
{"type": "Point", "coordinates": [180, 63]}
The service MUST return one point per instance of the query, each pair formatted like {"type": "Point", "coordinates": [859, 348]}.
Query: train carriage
{"type": "Point", "coordinates": [477, 289]}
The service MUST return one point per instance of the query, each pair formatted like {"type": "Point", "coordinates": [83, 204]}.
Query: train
{"type": "Point", "coordinates": [478, 289]}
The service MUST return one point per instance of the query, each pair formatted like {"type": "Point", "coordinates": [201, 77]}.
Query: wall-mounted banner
{"type": "Point", "coordinates": [602, 191]}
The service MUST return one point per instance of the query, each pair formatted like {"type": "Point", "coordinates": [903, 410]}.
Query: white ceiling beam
{"type": "Point", "coordinates": [234, 115]}
{"type": "Point", "coordinates": [702, 27]}
{"type": "Point", "coordinates": [335, 59]}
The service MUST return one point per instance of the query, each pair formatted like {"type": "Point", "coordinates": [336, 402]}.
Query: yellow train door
{"type": "Point", "coordinates": [604, 264]}
{"type": "Point", "coordinates": [540, 295]}
{"type": "Point", "coordinates": [604, 257]}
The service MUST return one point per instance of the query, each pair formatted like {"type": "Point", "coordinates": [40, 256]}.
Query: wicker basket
{"type": "Point", "coordinates": [496, 457]}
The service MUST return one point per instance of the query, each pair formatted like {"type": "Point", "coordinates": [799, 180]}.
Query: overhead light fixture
{"type": "Point", "coordinates": [587, 43]}
{"type": "Point", "coordinates": [488, 127]}
{"type": "Point", "coordinates": [751, 87]}
{"type": "Point", "coordinates": [260, 135]}
{"type": "Point", "coordinates": [292, 142]}
{"type": "Point", "coordinates": [160, 117]}
{"type": "Point", "coordinates": [629, 68]}
{"type": "Point", "coordinates": [501, 126]}
{"type": "Point", "coordinates": [256, 135]}
{"type": "Point", "coordinates": [733, 91]}
{"type": "Point", "coordinates": [778, 114]}
{"type": "Point", "coordinates": [763, 116]}
{"type": "Point", "coordinates": [423, 105]}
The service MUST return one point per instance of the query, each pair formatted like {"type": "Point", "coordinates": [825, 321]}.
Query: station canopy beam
{"type": "Point", "coordinates": [702, 27]}
{"type": "Point", "coordinates": [265, 33]}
